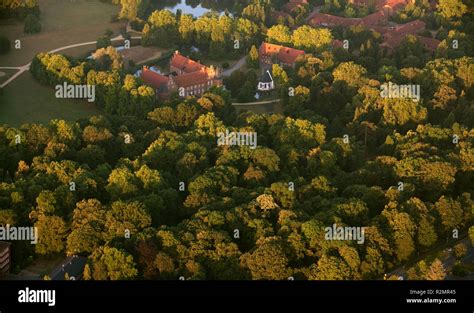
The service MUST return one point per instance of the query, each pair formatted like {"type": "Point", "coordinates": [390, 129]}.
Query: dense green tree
{"type": "Point", "coordinates": [51, 234]}
{"type": "Point", "coordinates": [452, 8]}
{"type": "Point", "coordinates": [32, 24]}
{"type": "Point", "coordinates": [4, 45]}
{"type": "Point", "coordinates": [268, 261]}
{"type": "Point", "coordinates": [112, 264]}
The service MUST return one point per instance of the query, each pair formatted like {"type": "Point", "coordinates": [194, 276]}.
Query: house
{"type": "Point", "coordinates": [156, 80]}
{"type": "Point", "coordinates": [387, 6]}
{"type": "Point", "coordinates": [5, 256]}
{"type": "Point", "coordinates": [284, 55]}
{"type": "Point", "coordinates": [327, 20]}
{"type": "Point", "coordinates": [394, 38]}
{"type": "Point", "coordinates": [412, 28]}
{"type": "Point", "coordinates": [188, 77]}
{"type": "Point", "coordinates": [430, 44]}
{"type": "Point", "coordinates": [390, 6]}
{"type": "Point", "coordinates": [337, 44]}
{"type": "Point", "coordinates": [375, 19]}
{"type": "Point", "coordinates": [378, 18]}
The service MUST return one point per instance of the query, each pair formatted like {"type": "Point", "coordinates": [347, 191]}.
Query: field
{"type": "Point", "coordinates": [63, 23]}
{"type": "Point", "coordinates": [6, 74]}
{"type": "Point", "coordinates": [141, 54]}
{"type": "Point", "coordinates": [26, 101]}
{"type": "Point", "coordinates": [260, 108]}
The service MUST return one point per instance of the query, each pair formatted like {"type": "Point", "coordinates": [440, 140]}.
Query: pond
{"type": "Point", "coordinates": [196, 8]}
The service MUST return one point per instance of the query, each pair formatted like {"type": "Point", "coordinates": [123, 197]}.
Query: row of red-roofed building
{"type": "Point", "coordinates": [378, 21]}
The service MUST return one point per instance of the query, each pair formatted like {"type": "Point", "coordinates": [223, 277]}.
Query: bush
{"type": "Point", "coordinates": [109, 32]}
{"type": "Point", "coordinates": [32, 24]}
{"type": "Point", "coordinates": [137, 25]}
{"type": "Point", "coordinates": [458, 270]}
{"type": "Point", "coordinates": [225, 65]}
{"type": "Point", "coordinates": [103, 42]}
{"type": "Point", "coordinates": [4, 45]}
{"type": "Point", "coordinates": [460, 250]}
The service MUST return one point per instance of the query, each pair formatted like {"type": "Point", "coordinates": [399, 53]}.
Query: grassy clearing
{"type": "Point", "coordinates": [6, 74]}
{"type": "Point", "coordinates": [269, 108]}
{"type": "Point", "coordinates": [26, 101]}
{"type": "Point", "coordinates": [64, 23]}
{"type": "Point", "coordinates": [140, 55]}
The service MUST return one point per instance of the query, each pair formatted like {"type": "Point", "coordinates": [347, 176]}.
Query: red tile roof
{"type": "Point", "coordinates": [284, 54]}
{"type": "Point", "coordinates": [337, 43]}
{"type": "Point", "coordinates": [293, 4]}
{"type": "Point", "coordinates": [377, 18]}
{"type": "Point", "coordinates": [393, 4]}
{"type": "Point", "coordinates": [153, 79]}
{"type": "Point", "coordinates": [394, 38]}
{"type": "Point", "coordinates": [185, 64]}
{"type": "Point", "coordinates": [321, 19]}
{"type": "Point", "coordinates": [410, 27]}
{"type": "Point", "coordinates": [429, 43]}
{"type": "Point", "coordinates": [191, 79]}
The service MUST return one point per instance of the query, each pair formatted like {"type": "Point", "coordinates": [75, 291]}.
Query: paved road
{"type": "Point", "coordinates": [316, 9]}
{"type": "Point", "coordinates": [24, 68]}
{"type": "Point", "coordinates": [256, 103]}
{"type": "Point", "coordinates": [448, 263]}
{"type": "Point", "coordinates": [236, 66]}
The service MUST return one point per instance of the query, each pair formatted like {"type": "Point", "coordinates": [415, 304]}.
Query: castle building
{"type": "Point", "coordinates": [187, 77]}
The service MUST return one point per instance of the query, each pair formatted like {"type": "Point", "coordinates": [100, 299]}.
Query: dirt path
{"type": "Point", "coordinates": [235, 67]}
{"type": "Point", "coordinates": [26, 67]}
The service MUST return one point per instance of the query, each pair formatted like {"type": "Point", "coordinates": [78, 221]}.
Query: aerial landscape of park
{"type": "Point", "coordinates": [236, 140]}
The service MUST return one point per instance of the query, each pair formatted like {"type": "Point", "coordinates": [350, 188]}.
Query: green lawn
{"type": "Point", "coordinates": [6, 74]}
{"type": "Point", "coordinates": [26, 101]}
{"type": "Point", "coordinates": [64, 22]}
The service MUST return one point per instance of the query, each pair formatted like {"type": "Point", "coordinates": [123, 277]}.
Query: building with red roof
{"type": "Point", "coordinates": [284, 55]}
{"type": "Point", "coordinates": [292, 5]}
{"type": "Point", "coordinates": [188, 77]}
{"type": "Point", "coordinates": [394, 39]}
{"type": "Point", "coordinates": [181, 64]}
{"type": "Point", "coordinates": [327, 20]}
{"type": "Point", "coordinates": [375, 19]}
{"type": "Point", "coordinates": [430, 44]}
{"type": "Point", "coordinates": [388, 6]}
